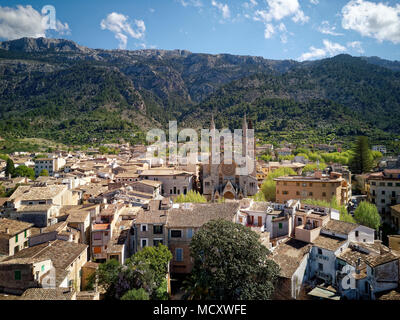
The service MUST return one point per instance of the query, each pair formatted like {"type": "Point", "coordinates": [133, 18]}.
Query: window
{"type": "Point", "coordinates": [324, 185]}
{"type": "Point", "coordinates": [144, 243]}
{"type": "Point", "coordinates": [42, 268]}
{"type": "Point", "coordinates": [179, 254]}
{"type": "Point", "coordinates": [176, 233]}
{"type": "Point", "coordinates": [285, 192]}
{"type": "Point", "coordinates": [17, 275]}
{"type": "Point", "coordinates": [190, 233]}
{"type": "Point", "coordinates": [16, 238]}
{"type": "Point", "coordinates": [97, 250]}
{"type": "Point", "coordinates": [390, 184]}
{"type": "Point", "coordinates": [310, 194]}
{"type": "Point", "coordinates": [97, 236]}
{"type": "Point", "coordinates": [319, 251]}
{"type": "Point", "coordinates": [156, 242]}
{"type": "Point", "coordinates": [356, 233]}
{"type": "Point", "coordinates": [297, 193]}
{"type": "Point", "coordinates": [320, 267]}
{"type": "Point", "coordinates": [144, 227]}
{"type": "Point", "coordinates": [158, 229]}
{"type": "Point", "coordinates": [324, 194]}
{"type": "Point", "coordinates": [280, 226]}
{"type": "Point", "coordinates": [26, 233]}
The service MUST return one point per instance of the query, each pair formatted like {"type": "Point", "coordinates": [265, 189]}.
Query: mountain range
{"type": "Point", "coordinates": [59, 90]}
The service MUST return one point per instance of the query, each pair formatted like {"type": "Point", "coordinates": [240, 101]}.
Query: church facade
{"type": "Point", "coordinates": [223, 180]}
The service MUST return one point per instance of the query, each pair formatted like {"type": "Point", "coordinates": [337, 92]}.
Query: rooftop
{"type": "Point", "coordinates": [61, 253]}
{"type": "Point", "coordinates": [48, 294]}
{"type": "Point", "coordinates": [288, 255]}
{"type": "Point", "coordinates": [200, 213]}
{"type": "Point", "coordinates": [27, 193]}
{"type": "Point", "coordinates": [338, 226]}
{"type": "Point", "coordinates": [328, 242]}
{"type": "Point", "coordinates": [14, 227]}
{"type": "Point", "coordinates": [374, 261]}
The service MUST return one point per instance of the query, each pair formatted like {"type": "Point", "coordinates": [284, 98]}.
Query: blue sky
{"type": "Point", "coordinates": [275, 29]}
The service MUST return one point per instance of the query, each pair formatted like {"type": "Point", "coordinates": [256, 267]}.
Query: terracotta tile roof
{"type": "Point", "coordinates": [374, 261]}
{"type": "Point", "coordinates": [61, 253]}
{"type": "Point", "coordinates": [14, 227]}
{"type": "Point", "coordinates": [201, 213]}
{"type": "Point", "coordinates": [151, 217]}
{"type": "Point", "coordinates": [27, 193]}
{"type": "Point", "coordinates": [328, 242]}
{"type": "Point", "coordinates": [164, 172]}
{"type": "Point", "coordinates": [338, 226]}
{"type": "Point", "coordinates": [288, 255]}
{"type": "Point", "coordinates": [48, 294]}
{"type": "Point", "coordinates": [151, 183]}
{"type": "Point", "coordinates": [351, 257]}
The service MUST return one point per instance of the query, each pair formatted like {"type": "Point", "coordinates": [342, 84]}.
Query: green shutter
{"type": "Point", "coordinates": [17, 275]}
{"type": "Point", "coordinates": [16, 238]}
{"type": "Point", "coordinates": [26, 233]}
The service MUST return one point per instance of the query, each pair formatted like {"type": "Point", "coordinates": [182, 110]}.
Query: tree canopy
{"type": "Point", "coordinates": [367, 215]}
{"type": "Point", "coordinates": [141, 276]}
{"type": "Point", "coordinates": [230, 263]}
{"type": "Point", "coordinates": [192, 197]}
{"type": "Point", "coordinates": [362, 160]}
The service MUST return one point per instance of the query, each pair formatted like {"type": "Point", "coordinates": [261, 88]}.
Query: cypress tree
{"type": "Point", "coordinates": [362, 159]}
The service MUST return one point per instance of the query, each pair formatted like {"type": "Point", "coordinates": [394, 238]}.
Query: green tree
{"type": "Point", "coordinates": [24, 171]}
{"type": "Point", "coordinates": [268, 187]}
{"type": "Point", "coordinates": [362, 160]}
{"type": "Point", "coordinates": [230, 263]}
{"type": "Point", "coordinates": [136, 294]}
{"type": "Point", "coordinates": [191, 197]}
{"type": "Point", "coordinates": [158, 259]}
{"type": "Point", "coordinates": [367, 215]}
{"type": "Point", "coordinates": [44, 173]}
{"type": "Point", "coordinates": [9, 167]}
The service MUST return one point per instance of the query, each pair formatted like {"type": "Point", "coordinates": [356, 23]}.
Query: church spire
{"type": "Point", "coordinates": [245, 122]}
{"type": "Point", "coordinates": [212, 122]}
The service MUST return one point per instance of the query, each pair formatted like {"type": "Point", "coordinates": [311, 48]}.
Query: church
{"type": "Point", "coordinates": [222, 180]}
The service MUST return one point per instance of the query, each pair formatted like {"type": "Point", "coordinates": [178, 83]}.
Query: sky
{"type": "Point", "coordinates": [274, 29]}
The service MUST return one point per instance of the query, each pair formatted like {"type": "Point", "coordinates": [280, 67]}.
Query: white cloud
{"type": "Point", "coordinates": [277, 11]}
{"type": "Point", "coordinates": [269, 31]}
{"type": "Point", "coordinates": [119, 24]}
{"type": "Point", "coordinates": [356, 45]}
{"type": "Point", "coordinates": [330, 49]}
{"type": "Point", "coordinates": [224, 8]}
{"type": "Point", "coordinates": [376, 20]}
{"type": "Point", "coordinates": [280, 9]}
{"type": "Point", "coordinates": [25, 21]}
{"type": "Point", "coordinates": [250, 4]}
{"type": "Point", "coordinates": [314, 2]}
{"type": "Point", "coordinates": [326, 28]}
{"type": "Point", "coordinates": [193, 3]}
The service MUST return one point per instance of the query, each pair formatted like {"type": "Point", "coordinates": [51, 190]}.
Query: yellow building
{"type": "Point", "coordinates": [319, 187]}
